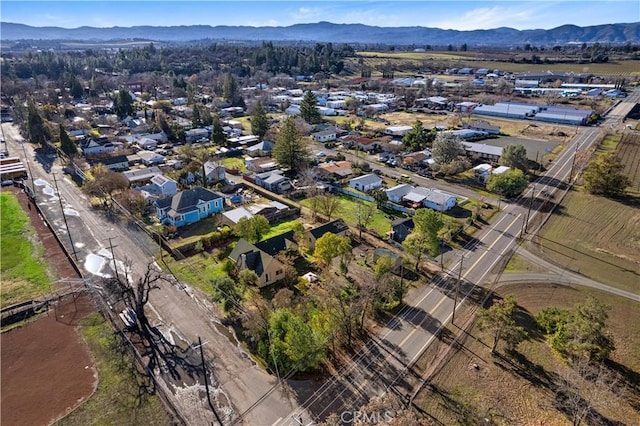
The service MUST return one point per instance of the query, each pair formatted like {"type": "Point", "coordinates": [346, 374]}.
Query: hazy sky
{"type": "Point", "coordinates": [460, 15]}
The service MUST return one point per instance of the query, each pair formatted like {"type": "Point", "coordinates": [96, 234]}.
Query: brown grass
{"type": "Point", "coordinates": [474, 385]}
{"type": "Point", "coordinates": [628, 152]}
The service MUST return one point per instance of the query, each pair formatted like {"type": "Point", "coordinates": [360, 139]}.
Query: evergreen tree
{"type": "Point", "coordinates": [77, 91]}
{"type": "Point", "coordinates": [259, 121]}
{"type": "Point", "coordinates": [515, 156]}
{"type": "Point", "coordinates": [309, 108]}
{"type": "Point", "coordinates": [417, 139]}
{"type": "Point", "coordinates": [36, 130]}
{"type": "Point", "coordinates": [500, 321]}
{"type": "Point", "coordinates": [446, 148]}
{"type": "Point", "coordinates": [229, 88]}
{"type": "Point", "coordinates": [196, 121]}
{"type": "Point", "coordinates": [604, 176]}
{"type": "Point", "coordinates": [217, 133]}
{"type": "Point", "coordinates": [289, 149]}
{"type": "Point", "coordinates": [66, 144]}
{"type": "Point", "coordinates": [123, 104]}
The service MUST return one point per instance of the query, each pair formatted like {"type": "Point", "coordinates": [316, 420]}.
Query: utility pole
{"type": "Point", "coordinates": [64, 216]}
{"type": "Point", "coordinates": [455, 300]}
{"type": "Point", "coordinates": [113, 256]}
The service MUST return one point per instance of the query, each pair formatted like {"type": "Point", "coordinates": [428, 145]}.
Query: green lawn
{"type": "Point", "coordinates": [281, 228]}
{"type": "Point", "coordinates": [234, 163]}
{"type": "Point", "coordinates": [118, 400]}
{"type": "Point", "coordinates": [197, 270]}
{"type": "Point", "coordinates": [24, 274]}
{"type": "Point", "coordinates": [381, 222]}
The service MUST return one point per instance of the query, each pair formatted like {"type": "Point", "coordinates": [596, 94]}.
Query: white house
{"type": "Point", "coordinates": [366, 183]}
{"type": "Point", "coordinates": [397, 130]}
{"type": "Point", "coordinates": [150, 158]}
{"type": "Point", "coordinates": [324, 136]}
{"type": "Point", "coordinates": [396, 193]}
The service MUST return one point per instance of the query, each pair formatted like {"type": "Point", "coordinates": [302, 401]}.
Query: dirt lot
{"type": "Point", "coordinates": [47, 369]}
{"type": "Point", "coordinates": [475, 387]}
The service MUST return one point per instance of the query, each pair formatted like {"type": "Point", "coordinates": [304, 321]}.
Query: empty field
{"type": "Point", "coordinates": [475, 387]}
{"type": "Point", "coordinates": [597, 237]}
{"type": "Point", "coordinates": [628, 152]}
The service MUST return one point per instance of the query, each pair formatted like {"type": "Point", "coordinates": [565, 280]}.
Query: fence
{"type": "Point", "coordinates": [354, 194]}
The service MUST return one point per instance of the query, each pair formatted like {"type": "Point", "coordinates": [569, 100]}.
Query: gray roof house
{"type": "Point", "coordinates": [261, 149]}
{"type": "Point", "coordinates": [336, 226]}
{"type": "Point", "coordinates": [189, 206]}
{"type": "Point", "coordinates": [260, 257]}
{"type": "Point", "coordinates": [273, 181]}
{"type": "Point", "coordinates": [482, 151]}
{"type": "Point", "coordinates": [215, 172]}
{"type": "Point", "coordinates": [141, 176]}
{"type": "Point", "coordinates": [366, 183]}
{"type": "Point", "coordinates": [396, 193]}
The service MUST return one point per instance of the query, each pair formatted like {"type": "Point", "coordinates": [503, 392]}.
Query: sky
{"type": "Point", "coordinates": [451, 14]}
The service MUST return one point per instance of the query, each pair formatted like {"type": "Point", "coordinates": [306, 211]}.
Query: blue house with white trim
{"type": "Point", "coordinates": [190, 206]}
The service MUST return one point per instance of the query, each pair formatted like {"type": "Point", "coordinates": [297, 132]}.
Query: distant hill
{"type": "Point", "coordinates": [336, 33]}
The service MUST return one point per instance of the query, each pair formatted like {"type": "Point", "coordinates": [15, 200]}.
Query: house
{"type": "Point", "coordinates": [273, 181]}
{"type": "Point", "coordinates": [482, 172]}
{"type": "Point", "coordinates": [150, 158]}
{"type": "Point", "coordinates": [214, 172]}
{"type": "Point", "coordinates": [261, 257]}
{"type": "Point", "coordinates": [194, 135]}
{"type": "Point", "coordinates": [439, 200]}
{"type": "Point", "coordinates": [165, 186]}
{"type": "Point", "coordinates": [366, 183]}
{"type": "Point", "coordinates": [482, 126]}
{"type": "Point", "coordinates": [97, 146]}
{"type": "Point", "coordinates": [337, 170]}
{"type": "Point", "coordinates": [397, 130]}
{"type": "Point", "coordinates": [141, 176]}
{"type": "Point", "coordinates": [246, 140]}
{"type": "Point", "coordinates": [418, 158]}
{"type": "Point", "coordinates": [396, 193]}
{"type": "Point", "coordinates": [400, 228]}
{"type": "Point", "coordinates": [480, 151]}
{"type": "Point", "coordinates": [188, 206]}
{"type": "Point", "coordinates": [260, 164]}
{"type": "Point", "coordinates": [147, 144]}
{"type": "Point", "coordinates": [160, 187]}
{"type": "Point", "coordinates": [430, 197]}
{"type": "Point", "coordinates": [117, 163]}
{"type": "Point", "coordinates": [337, 226]}
{"type": "Point", "coordinates": [365, 144]}
{"type": "Point", "coordinates": [261, 149]}
{"type": "Point", "coordinates": [324, 136]}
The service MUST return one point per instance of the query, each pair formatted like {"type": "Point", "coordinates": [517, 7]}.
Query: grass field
{"type": "Point", "coordinates": [597, 237]}
{"type": "Point", "coordinates": [24, 274]}
{"type": "Point", "coordinates": [196, 270]}
{"type": "Point", "coordinates": [117, 401]}
{"type": "Point", "coordinates": [281, 228]}
{"type": "Point", "coordinates": [381, 222]}
{"type": "Point", "coordinates": [628, 152]}
{"type": "Point", "coordinates": [474, 385]}
{"type": "Point", "coordinates": [477, 60]}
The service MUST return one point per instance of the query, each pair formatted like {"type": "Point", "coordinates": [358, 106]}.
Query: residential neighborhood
{"type": "Point", "coordinates": [299, 232]}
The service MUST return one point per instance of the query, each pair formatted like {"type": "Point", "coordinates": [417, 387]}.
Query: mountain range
{"type": "Point", "coordinates": [335, 33]}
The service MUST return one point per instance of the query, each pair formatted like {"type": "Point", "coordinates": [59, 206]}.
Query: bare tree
{"type": "Point", "coordinates": [328, 205]}
{"type": "Point", "coordinates": [584, 388]}
{"type": "Point", "coordinates": [364, 215]}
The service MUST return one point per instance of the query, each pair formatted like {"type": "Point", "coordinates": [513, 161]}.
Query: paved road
{"type": "Point", "coordinates": [558, 274]}
{"type": "Point", "coordinates": [181, 313]}
{"type": "Point", "coordinates": [385, 364]}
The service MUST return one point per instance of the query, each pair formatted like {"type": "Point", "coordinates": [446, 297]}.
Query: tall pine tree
{"type": "Point", "coordinates": [309, 109]}
{"type": "Point", "coordinates": [66, 144]}
{"type": "Point", "coordinates": [289, 149]}
{"type": "Point", "coordinates": [259, 121]}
